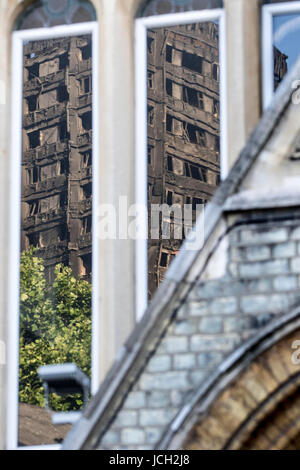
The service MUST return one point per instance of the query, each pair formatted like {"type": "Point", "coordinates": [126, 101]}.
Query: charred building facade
{"type": "Point", "coordinates": [57, 153]}
{"type": "Point", "coordinates": [280, 66]}
{"type": "Point", "coordinates": [183, 127]}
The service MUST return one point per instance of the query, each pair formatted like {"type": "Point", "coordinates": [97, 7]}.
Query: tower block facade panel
{"type": "Point", "coordinates": [183, 128]}
{"type": "Point", "coordinates": [57, 153]}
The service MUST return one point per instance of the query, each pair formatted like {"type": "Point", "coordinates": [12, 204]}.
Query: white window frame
{"type": "Point", "coordinates": [268, 13]}
{"type": "Point", "coordinates": [141, 186]}
{"type": "Point", "coordinates": [18, 38]}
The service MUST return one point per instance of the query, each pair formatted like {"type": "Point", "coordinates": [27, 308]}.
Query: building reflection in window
{"type": "Point", "coordinates": [56, 224]}
{"type": "Point", "coordinates": [183, 152]}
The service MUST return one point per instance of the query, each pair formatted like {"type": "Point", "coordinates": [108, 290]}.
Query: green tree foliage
{"type": "Point", "coordinates": [55, 327]}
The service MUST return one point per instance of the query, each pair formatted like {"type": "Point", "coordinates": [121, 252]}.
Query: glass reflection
{"type": "Point", "coordinates": [286, 37]}
{"type": "Point", "coordinates": [162, 7]}
{"type": "Point", "coordinates": [183, 129]}
{"type": "Point", "coordinates": [48, 13]}
{"type": "Point", "coordinates": [56, 225]}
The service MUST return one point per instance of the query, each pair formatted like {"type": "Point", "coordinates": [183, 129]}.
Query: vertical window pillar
{"type": "Point", "coordinates": [243, 71]}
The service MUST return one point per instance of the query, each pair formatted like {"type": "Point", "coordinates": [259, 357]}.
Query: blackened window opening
{"type": "Point", "coordinates": [192, 62]}
{"type": "Point", "coordinates": [86, 120]}
{"type": "Point", "coordinates": [86, 52]}
{"type": "Point", "coordinates": [62, 94]}
{"type": "Point", "coordinates": [34, 139]}
{"type": "Point", "coordinates": [32, 102]}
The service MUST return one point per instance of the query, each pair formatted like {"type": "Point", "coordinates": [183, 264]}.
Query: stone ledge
{"type": "Point", "coordinates": [253, 200]}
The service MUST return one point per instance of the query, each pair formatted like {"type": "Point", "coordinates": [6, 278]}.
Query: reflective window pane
{"type": "Point", "coordinates": [286, 37]}
{"type": "Point", "coordinates": [56, 226]}
{"type": "Point", "coordinates": [46, 13]}
{"type": "Point", "coordinates": [183, 130]}
{"type": "Point", "coordinates": [161, 7]}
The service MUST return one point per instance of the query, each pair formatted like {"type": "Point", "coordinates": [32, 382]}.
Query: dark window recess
{"type": "Point", "coordinates": [187, 169]}
{"type": "Point", "coordinates": [200, 100]}
{"type": "Point", "coordinates": [193, 97]}
{"type": "Point", "coordinates": [87, 190]}
{"type": "Point", "coordinates": [87, 224]}
{"type": "Point", "coordinates": [196, 201]}
{"type": "Point", "coordinates": [190, 96]}
{"type": "Point", "coordinates": [63, 61]}
{"type": "Point", "coordinates": [86, 52]}
{"type": "Point", "coordinates": [87, 263]}
{"type": "Point", "coordinates": [191, 133]}
{"type": "Point", "coordinates": [33, 175]}
{"type": "Point", "coordinates": [169, 87]}
{"type": "Point", "coordinates": [203, 172]}
{"type": "Point", "coordinates": [63, 131]}
{"type": "Point", "coordinates": [195, 172]}
{"type": "Point", "coordinates": [86, 159]}
{"type": "Point", "coordinates": [63, 200]}
{"type": "Point", "coordinates": [216, 108]}
{"type": "Point", "coordinates": [33, 239]}
{"type": "Point", "coordinates": [164, 260]}
{"type": "Point", "coordinates": [198, 172]}
{"type": "Point", "coordinates": [169, 53]}
{"type": "Point", "coordinates": [170, 163]}
{"type": "Point", "coordinates": [62, 233]}
{"type": "Point", "coordinates": [33, 71]}
{"type": "Point", "coordinates": [150, 79]}
{"type": "Point", "coordinates": [215, 71]}
{"type": "Point", "coordinates": [169, 121]}
{"type": "Point", "coordinates": [34, 139]}
{"type": "Point", "coordinates": [34, 208]}
{"type": "Point", "coordinates": [86, 120]}
{"type": "Point", "coordinates": [64, 167]}
{"type": "Point", "coordinates": [150, 45]}
{"type": "Point", "coordinates": [32, 102]}
{"type": "Point", "coordinates": [194, 134]}
{"type": "Point", "coordinates": [192, 62]}
{"type": "Point", "coordinates": [150, 115]}
{"type": "Point", "coordinates": [86, 85]}
{"type": "Point", "coordinates": [149, 154]}
{"type": "Point", "coordinates": [62, 94]}
{"type": "Point", "coordinates": [169, 198]}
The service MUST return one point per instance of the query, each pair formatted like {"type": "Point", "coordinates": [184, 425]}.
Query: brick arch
{"type": "Point", "coordinates": [277, 428]}
{"type": "Point", "coordinates": [253, 404]}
